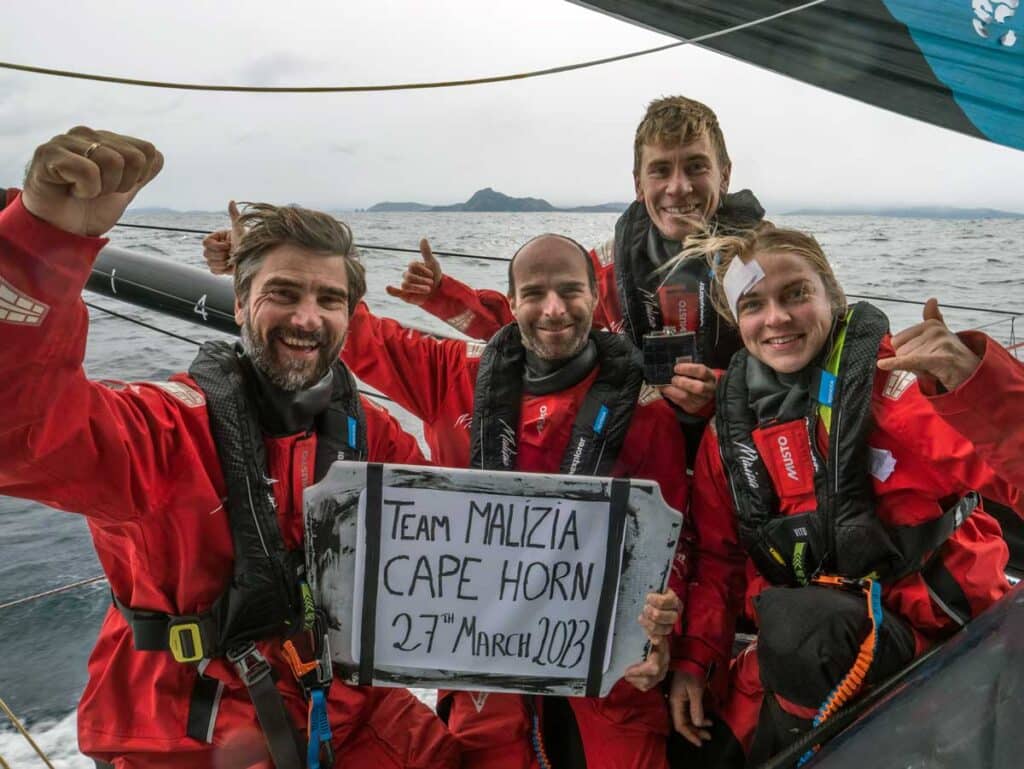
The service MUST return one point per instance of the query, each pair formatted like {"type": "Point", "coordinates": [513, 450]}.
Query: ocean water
{"type": "Point", "coordinates": [44, 644]}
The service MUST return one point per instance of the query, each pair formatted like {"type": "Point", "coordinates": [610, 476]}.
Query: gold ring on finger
{"type": "Point", "coordinates": [91, 149]}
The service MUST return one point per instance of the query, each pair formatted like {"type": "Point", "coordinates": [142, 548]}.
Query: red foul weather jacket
{"type": "Point", "coordinates": [988, 408]}
{"type": "Point", "coordinates": [139, 462]}
{"type": "Point", "coordinates": [929, 461]}
{"type": "Point", "coordinates": [435, 381]}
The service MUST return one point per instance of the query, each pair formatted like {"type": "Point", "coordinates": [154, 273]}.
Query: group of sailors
{"type": "Point", "coordinates": [830, 473]}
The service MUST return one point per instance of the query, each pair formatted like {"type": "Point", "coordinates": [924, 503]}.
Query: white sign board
{"type": "Point", "coordinates": [485, 583]}
{"type": "Point", "coordinates": [466, 579]}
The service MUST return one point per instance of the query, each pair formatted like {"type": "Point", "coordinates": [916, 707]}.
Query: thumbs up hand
{"type": "Point", "coordinates": [932, 351]}
{"type": "Point", "coordinates": [218, 246]}
{"type": "Point", "coordinates": [421, 278]}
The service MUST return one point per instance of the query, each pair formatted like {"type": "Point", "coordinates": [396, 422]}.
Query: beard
{"type": "Point", "coordinates": [552, 351]}
{"type": "Point", "coordinates": [290, 375]}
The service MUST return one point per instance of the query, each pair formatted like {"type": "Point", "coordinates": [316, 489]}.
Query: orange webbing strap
{"type": "Point", "coordinates": [854, 679]}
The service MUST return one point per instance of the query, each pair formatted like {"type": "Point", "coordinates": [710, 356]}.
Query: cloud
{"type": "Point", "coordinates": [279, 68]}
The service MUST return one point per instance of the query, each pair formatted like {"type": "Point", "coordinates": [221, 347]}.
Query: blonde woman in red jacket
{"type": "Point", "coordinates": [832, 505]}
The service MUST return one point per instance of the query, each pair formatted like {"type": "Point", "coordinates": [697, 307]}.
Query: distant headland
{"type": "Point", "coordinates": [910, 212]}
{"type": "Point", "coordinates": [489, 200]}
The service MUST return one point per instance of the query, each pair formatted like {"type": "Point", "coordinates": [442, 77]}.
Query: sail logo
{"type": "Point", "coordinates": [19, 308]}
{"type": "Point", "coordinates": [787, 458]}
{"type": "Point", "coordinates": [748, 457]}
{"type": "Point", "coordinates": [991, 15]}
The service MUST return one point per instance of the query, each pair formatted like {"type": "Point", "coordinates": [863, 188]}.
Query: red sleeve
{"type": "Point", "coordinates": [714, 596]}
{"type": "Point", "coordinates": [655, 450]}
{"type": "Point", "coordinates": [904, 419]}
{"type": "Point", "coordinates": [414, 369]}
{"type": "Point", "coordinates": [59, 432]}
{"type": "Point", "coordinates": [387, 441]}
{"type": "Point", "coordinates": [988, 408]}
{"type": "Point", "coordinates": [478, 313]}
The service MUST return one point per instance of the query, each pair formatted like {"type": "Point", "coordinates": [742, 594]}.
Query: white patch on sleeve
{"type": "Point", "coordinates": [461, 321]}
{"type": "Point", "coordinates": [648, 394]}
{"type": "Point", "coordinates": [606, 252]}
{"type": "Point", "coordinates": [897, 384]}
{"type": "Point", "coordinates": [883, 463]}
{"type": "Point", "coordinates": [18, 307]}
{"type": "Point", "coordinates": [479, 700]}
{"type": "Point", "coordinates": [182, 392]}
{"type": "Point", "coordinates": [475, 349]}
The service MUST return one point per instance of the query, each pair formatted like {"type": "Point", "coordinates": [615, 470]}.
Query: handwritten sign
{"type": "Point", "coordinates": [486, 583]}
{"type": "Point", "coordinates": [465, 579]}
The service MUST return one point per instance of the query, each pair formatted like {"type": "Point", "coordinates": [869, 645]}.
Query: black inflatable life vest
{"type": "Point", "coordinates": [264, 598]}
{"type": "Point", "coordinates": [843, 536]}
{"type": "Point", "coordinates": [601, 423]}
{"type": "Point", "coordinates": [636, 244]}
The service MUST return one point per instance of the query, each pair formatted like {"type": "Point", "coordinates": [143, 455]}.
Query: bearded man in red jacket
{"type": "Point", "coordinates": [192, 488]}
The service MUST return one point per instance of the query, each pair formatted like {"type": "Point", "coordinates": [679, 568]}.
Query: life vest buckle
{"type": "Point", "coordinates": [843, 583]}
{"type": "Point", "coordinates": [185, 639]}
{"type": "Point", "coordinates": [250, 663]}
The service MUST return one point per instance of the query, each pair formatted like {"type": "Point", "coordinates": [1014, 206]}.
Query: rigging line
{"type": "Point", "coordinates": [164, 331]}
{"type": "Point", "coordinates": [53, 591]}
{"type": "Point", "coordinates": [405, 86]}
{"type": "Point", "coordinates": [944, 306]}
{"type": "Point", "coordinates": [24, 733]}
{"type": "Point", "coordinates": [371, 247]}
{"type": "Point", "coordinates": [366, 246]}
{"type": "Point", "coordinates": [142, 323]}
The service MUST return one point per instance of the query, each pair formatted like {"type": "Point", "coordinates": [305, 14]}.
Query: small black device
{"type": "Point", "coordinates": [663, 350]}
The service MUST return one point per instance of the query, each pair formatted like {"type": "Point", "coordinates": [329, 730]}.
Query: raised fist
{"type": "Point", "coordinates": [82, 181]}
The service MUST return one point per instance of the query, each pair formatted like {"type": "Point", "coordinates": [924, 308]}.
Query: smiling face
{"type": "Point", "coordinates": [295, 316]}
{"type": "Point", "coordinates": [553, 299]}
{"type": "Point", "coordinates": [786, 318]}
{"type": "Point", "coordinates": [681, 185]}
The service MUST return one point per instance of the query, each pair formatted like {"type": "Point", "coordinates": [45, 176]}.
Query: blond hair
{"type": "Point", "coordinates": [676, 120]}
{"type": "Point", "coordinates": [268, 226]}
{"type": "Point", "coordinates": [719, 251]}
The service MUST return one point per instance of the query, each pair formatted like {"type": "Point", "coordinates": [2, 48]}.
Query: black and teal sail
{"type": "Point", "coordinates": [958, 64]}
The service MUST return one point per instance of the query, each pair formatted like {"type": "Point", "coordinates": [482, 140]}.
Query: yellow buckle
{"type": "Point", "coordinates": [185, 642]}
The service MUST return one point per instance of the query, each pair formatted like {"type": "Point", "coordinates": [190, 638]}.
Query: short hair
{"type": "Point", "coordinates": [720, 251]}
{"type": "Point", "coordinates": [591, 273]}
{"type": "Point", "coordinates": [676, 120]}
{"type": "Point", "coordinates": [268, 226]}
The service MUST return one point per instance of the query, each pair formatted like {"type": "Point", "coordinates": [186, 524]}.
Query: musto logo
{"type": "Point", "coordinates": [992, 20]}
{"type": "Point", "coordinates": [787, 458]}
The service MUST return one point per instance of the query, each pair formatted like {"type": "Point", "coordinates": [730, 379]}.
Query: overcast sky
{"type": "Point", "coordinates": [566, 138]}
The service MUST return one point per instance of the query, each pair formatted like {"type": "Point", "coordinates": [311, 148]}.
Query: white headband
{"type": "Point", "coordinates": [739, 279]}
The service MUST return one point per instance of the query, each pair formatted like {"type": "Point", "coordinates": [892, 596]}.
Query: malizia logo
{"type": "Point", "coordinates": [748, 458]}
{"type": "Point", "coordinates": [787, 458]}
{"type": "Point", "coordinates": [992, 20]}
{"type": "Point", "coordinates": [508, 444]}
{"type": "Point", "coordinates": [650, 302]}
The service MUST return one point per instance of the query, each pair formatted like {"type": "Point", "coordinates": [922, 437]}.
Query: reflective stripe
{"type": "Point", "coordinates": [202, 708]}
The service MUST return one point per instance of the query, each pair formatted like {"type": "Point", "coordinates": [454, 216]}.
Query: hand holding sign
{"type": "Point", "coordinates": [932, 351]}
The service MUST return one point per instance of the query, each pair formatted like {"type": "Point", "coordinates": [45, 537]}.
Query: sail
{"type": "Point", "coordinates": [958, 64]}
